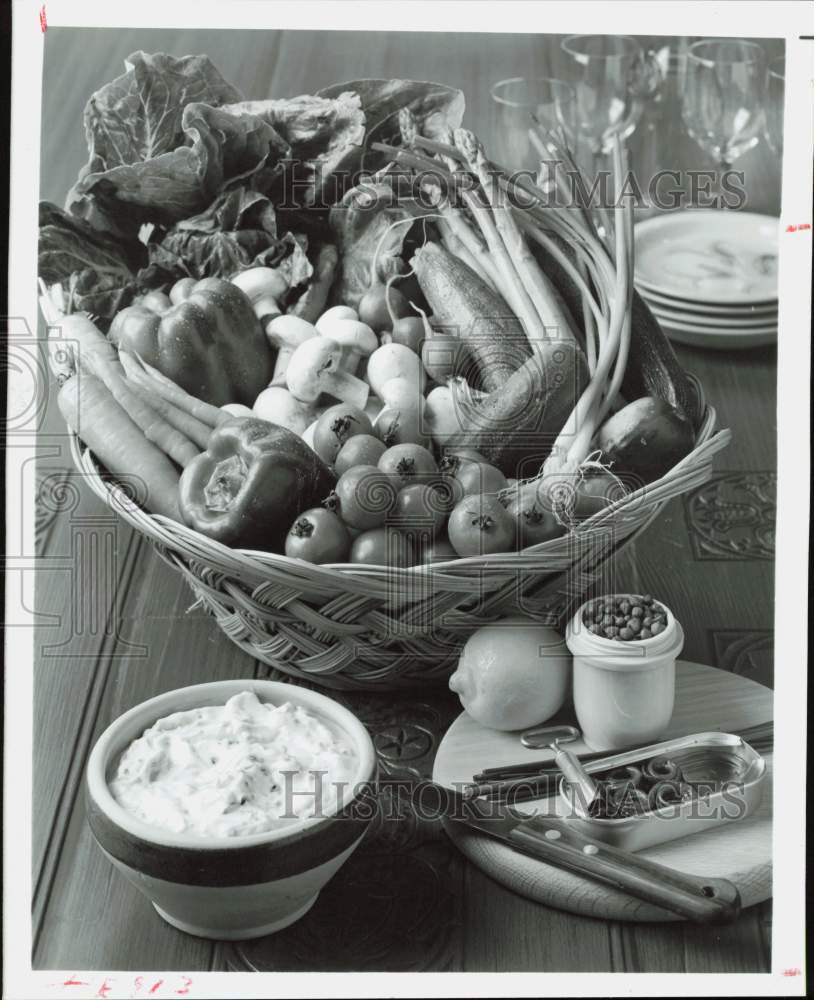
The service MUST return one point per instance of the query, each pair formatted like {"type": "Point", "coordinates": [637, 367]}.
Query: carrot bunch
{"type": "Point", "coordinates": [138, 423]}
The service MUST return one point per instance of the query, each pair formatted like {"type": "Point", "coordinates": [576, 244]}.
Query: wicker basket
{"type": "Point", "coordinates": [365, 627]}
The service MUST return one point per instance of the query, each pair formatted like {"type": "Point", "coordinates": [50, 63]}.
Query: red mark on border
{"type": "Point", "coordinates": [43, 25]}
{"type": "Point", "coordinates": [792, 972]}
{"type": "Point", "coordinates": [187, 984]}
{"type": "Point", "coordinates": [74, 982]}
{"type": "Point", "coordinates": [104, 989]}
{"type": "Point", "coordinates": [800, 228]}
{"type": "Point", "coordinates": [155, 987]}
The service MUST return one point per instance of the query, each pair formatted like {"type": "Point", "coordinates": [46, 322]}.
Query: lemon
{"type": "Point", "coordinates": [513, 674]}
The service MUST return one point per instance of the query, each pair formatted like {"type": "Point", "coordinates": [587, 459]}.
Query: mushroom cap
{"type": "Point", "coordinates": [289, 331]}
{"type": "Point", "coordinates": [335, 313]}
{"type": "Point", "coordinates": [314, 358]}
{"type": "Point", "coordinates": [257, 282]}
{"type": "Point", "coordinates": [352, 335]}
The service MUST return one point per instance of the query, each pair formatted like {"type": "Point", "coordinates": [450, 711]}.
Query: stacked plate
{"type": "Point", "coordinates": [710, 276]}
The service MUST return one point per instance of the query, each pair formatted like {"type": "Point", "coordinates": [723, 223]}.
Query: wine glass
{"type": "Point", "coordinates": [722, 103]}
{"type": "Point", "coordinates": [775, 91]}
{"type": "Point", "coordinates": [525, 102]}
{"type": "Point", "coordinates": [613, 78]}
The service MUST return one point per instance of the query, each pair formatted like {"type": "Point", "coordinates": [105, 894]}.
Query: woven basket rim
{"type": "Point", "coordinates": [630, 511]}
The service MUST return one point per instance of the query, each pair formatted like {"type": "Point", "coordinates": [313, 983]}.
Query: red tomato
{"type": "Point", "coordinates": [361, 449]}
{"type": "Point", "coordinates": [381, 547]}
{"type": "Point", "coordinates": [318, 536]}
{"type": "Point", "coordinates": [336, 426]}
{"type": "Point", "coordinates": [365, 495]}
{"type": "Point", "coordinates": [439, 550]}
{"type": "Point", "coordinates": [421, 509]}
{"type": "Point", "coordinates": [594, 491]}
{"type": "Point", "coordinates": [451, 453]}
{"type": "Point", "coordinates": [480, 525]}
{"type": "Point", "coordinates": [479, 477]}
{"type": "Point", "coordinates": [401, 425]}
{"type": "Point", "coordinates": [534, 523]}
{"type": "Point", "coordinates": [407, 462]}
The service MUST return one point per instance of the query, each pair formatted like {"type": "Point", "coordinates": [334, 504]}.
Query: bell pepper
{"type": "Point", "coordinates": [211, 343]}
{"type": "Point", "coordinates": [251, 483]}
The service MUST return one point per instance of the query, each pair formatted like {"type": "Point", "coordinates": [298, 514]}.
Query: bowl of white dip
{"type": "Point", "coordinates": [231, 804]}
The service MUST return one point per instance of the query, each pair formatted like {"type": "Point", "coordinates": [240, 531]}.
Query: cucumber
{"type": "Point", "coordinates": [463, 305]}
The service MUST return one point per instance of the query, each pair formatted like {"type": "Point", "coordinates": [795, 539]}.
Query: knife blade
{"type": "Point", "coordinates": [557, 842]}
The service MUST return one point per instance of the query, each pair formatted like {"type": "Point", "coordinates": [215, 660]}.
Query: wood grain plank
{"type": "Point", "coordinates": [531, 937]}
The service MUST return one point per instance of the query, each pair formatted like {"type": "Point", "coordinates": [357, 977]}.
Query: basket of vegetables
{"type": "Point", "coordinates": [361, 385]}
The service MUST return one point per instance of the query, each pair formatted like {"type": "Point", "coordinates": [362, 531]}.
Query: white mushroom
{"type": "Point", "coordinates": [286, 333]}
{"type": "Point", "coordinates": [394, 361]}
{"type": "Point", "coordinates": [264, 287]}
{"type": "Point", "coordinates": [356, 339]}
{"type": "Point", "coordinates": [314, 369]}
{"type": "Point", "coordinates": [277, 405]}
{"type": "Point", "coordinates": [334, 313]}
{"type": "Point", "coordinates": [238, 410]}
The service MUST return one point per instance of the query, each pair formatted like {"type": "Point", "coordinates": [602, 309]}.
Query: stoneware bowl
{"type": "Point", "coordinates": [229, 887]}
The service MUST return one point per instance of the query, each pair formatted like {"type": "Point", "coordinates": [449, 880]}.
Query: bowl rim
{"type": "Point", "coordinates": [166, 703]}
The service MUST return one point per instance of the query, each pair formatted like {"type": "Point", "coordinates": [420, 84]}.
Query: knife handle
{"type": "Point", "coordinates": [703, 900]}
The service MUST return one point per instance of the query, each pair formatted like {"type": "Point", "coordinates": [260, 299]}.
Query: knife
{"type": "Point", "coordinates": [557, 842]}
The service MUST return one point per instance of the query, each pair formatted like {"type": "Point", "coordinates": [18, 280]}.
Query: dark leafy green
{"type": "Point", "coordinates": [99, 272]}
{"type": "Point", "coordinates": [435, 107]}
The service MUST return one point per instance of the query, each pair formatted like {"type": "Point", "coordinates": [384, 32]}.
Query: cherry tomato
{"type": "Point", "coordinates": [401, 425]}
{"type": "Point", "coordinates": [336, 426]}
{"type": "Point", "coordinates": [361, 449]}
{"type": "Point", "coordinates": [480, 525]}
{"type": "Point", "coordinates": [421, 509]}
{"type": "Point", "coordinates": [534, 523]}
{"type": "Point", "coordinates": [365, 496]}
{"type": "Point", "coordinates": [479, 477]}
{"type": "Point", "coordinates": [407, 462]}
{"type": "Point", "coordinates": [594, 491]}
{"type": "Point", "coordinates": [318, 536]}
{"type": "Point", "coordinates": [454, 456]}
{"type": "Point", "coordinates": [438, 550]}
{"type": "Point", "coordinates": [381, 547]}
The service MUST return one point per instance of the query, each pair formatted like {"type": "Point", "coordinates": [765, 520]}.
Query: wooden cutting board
{"type": "Point", "coordinates": [706, 699]}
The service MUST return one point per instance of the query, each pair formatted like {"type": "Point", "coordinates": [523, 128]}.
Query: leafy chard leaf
{"type": "Point", "coordinates": [324, 136]}
{"type": "Point", "coordinates": [238, 230]}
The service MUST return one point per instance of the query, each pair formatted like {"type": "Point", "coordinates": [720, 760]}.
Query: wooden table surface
{"type": "Point", "coordinates": [115, 625]}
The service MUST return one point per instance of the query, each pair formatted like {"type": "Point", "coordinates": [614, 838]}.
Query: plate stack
{"type": "Point", "coordinates": [710, 277]}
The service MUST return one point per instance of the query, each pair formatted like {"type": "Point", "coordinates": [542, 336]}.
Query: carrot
{"type": "Point", "coordinates": [154, 427]}
{"type": "Point", "coordinates": [173, 393]}
{"type": "Point", "coordinates": [196, 430]}
{"type": "Point", "coordinates": [91, 411]}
